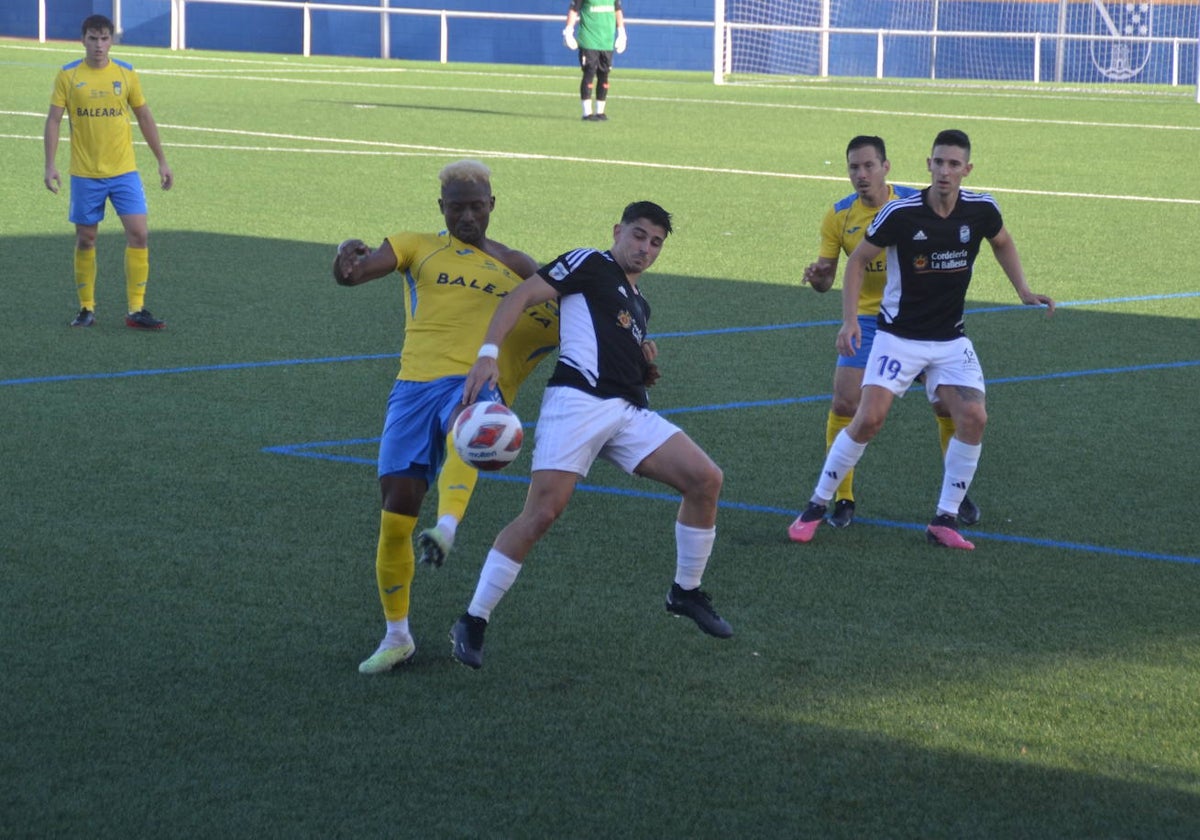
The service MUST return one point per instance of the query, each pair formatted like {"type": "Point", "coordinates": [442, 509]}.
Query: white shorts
{"type": "Point", "coordinates": [575, 428]}
{"type": "Point", "coordinates": [895, 362]}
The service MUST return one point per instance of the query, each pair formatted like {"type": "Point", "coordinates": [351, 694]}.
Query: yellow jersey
{"type": "Point", "coordinates": [844, 226]}
{"type": "Point", "coordinates": [451, 290]}
{"type": "Point", "coordinates": [99, 104]}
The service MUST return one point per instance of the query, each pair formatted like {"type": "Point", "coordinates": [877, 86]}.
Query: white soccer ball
{"type": "Point", "coordinates": [488, 435]}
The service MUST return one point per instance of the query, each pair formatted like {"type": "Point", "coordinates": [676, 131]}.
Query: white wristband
{"type": "Point", "coordinates": [490, 351]}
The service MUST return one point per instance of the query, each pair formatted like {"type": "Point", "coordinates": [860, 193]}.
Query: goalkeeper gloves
{"type": "Point", "coordinates": [569, 38]}
{"type": "Point", "coordinates": [621, 40]}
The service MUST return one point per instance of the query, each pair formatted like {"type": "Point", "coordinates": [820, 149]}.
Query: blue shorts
{"type": "Point", "coordinates": [89, 194]}
{"type": "Point", "coordinates": [419, 415]}
{"type": "Point", "coordinates": [867, 324]}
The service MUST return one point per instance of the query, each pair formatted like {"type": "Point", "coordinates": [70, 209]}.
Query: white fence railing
{"type": "Point", "coordinates": [722, 30]}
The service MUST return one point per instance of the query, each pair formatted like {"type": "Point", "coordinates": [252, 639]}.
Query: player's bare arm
{"type": "Point", "coordinates": [1005, 251]}
{"type": "Point", "coordinates": [356, 263]}
{"type": "Point", "coordinates": [518, 262]}
{"type": "Point", "coordinates": [532, 291]}
{"type": "Point", "coordinates": [849, 337]}
{"type": "Point", "coordinates": [149, 129]}
{"type": "Point", "coordinates": [650, 353]}
{"type": "Point", "coordinates": [50, 177]}
{"type": "Point", "coordinates": [820, 274]}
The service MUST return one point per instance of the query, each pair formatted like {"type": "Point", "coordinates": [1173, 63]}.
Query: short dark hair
{"type": "Point", "coordinates": [99, 23]}
{"type": "Point", "coordinates": [953, 137]}
{"type": "Point", "coordinates": [649, 211]}
{"type": "Point", "coordinates": [863, 140]}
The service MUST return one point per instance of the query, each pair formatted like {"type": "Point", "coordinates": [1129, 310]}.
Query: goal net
{"type": "Point", "coordinates": [1022, 40]}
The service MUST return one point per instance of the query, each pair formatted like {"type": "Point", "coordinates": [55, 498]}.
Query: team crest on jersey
{"type": "Point", "coordinates": [920, 262]}
{"type": "Point", "coordinates": [624, 319]}
{"type": "Point", "coordinates": [116, 88]}
{"type": "Point", "coordinates": [964, 234]}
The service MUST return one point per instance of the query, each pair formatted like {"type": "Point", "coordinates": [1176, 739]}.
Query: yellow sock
{"type": "Point", "coordinates": [455, 483]}
{"type": "Point", "coordinates": [394, 563]}
{"type": "Point", "coordinates": [945, 431]}
{"type": "Point", "coordinates": [834, 424]}
{"type": "Point", "coordinates": [137, 272]}
{"type": "Point", "coordinates": [85, 278]}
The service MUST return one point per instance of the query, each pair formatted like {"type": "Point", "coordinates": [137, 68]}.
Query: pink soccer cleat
{"type": "Point", "coordinates": [943, 531]}
{"type": "Point", "coordinates": [806, 524]}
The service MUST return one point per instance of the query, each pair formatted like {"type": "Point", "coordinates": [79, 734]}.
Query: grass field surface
{"type": "Point", "coordinates": [190, 517]}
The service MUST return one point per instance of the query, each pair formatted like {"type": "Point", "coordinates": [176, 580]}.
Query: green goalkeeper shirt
{"type": "Point", "coordinates": [597, 23]}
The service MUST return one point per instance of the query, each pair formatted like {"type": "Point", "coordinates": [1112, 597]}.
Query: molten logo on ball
{"type": "Point", "coordinates": [488, 435]}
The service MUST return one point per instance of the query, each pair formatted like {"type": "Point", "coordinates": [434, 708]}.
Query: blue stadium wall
{"type": "Point", "coordinates": [256, 29]}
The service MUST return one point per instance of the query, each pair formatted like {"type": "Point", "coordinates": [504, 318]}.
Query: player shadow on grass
{"type": "Point", "coordinates": [227, 591]}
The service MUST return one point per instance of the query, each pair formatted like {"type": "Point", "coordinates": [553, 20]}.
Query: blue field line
{"type": "Point", "coordinates": [1071, 374]}
{"type": "Point", "coordinates": [74, 377]}
{"type": "Point", "coordinates": [982, 310]}
{"type": "Point", "coordinates": [986, 535]}
{"type": "Point", "coordinates": [1068, 374]}
{"type": "Point", "coordinates": [786, 514]}
{"type": "Point", "coordinates": [314, 450]}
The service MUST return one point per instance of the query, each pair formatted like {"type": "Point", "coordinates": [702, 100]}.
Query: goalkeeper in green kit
{"type": "Point", "coordinates": [601, 30]}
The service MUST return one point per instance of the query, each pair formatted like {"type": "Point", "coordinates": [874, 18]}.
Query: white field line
{"type": "Point", "coordinates": [385, 148]}
{"type": "Point", "coordinates": [691, 101]}
{"type": "Point", "coordinates": [917, 87]}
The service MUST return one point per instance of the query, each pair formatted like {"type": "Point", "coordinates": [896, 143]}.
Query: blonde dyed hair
{"type": "Point", "coordinates": [468, 171]}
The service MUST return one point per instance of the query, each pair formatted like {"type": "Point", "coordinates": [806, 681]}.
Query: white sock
{"type": "Point", "coordinates": [398, 635]}
{"type": "Point", "coordinates": [587, 107]}
{"type": "Point", "coordinates": [495, 578]}
{"type": "Point", "coordinates": [448, 525]}
{"type": "Point", "coordinates": [962, 459]}
{"type": "Point", "coordinates": [599, 106]}
{"type": "Point", "coordinates": [843, 455]}
{"type": "Point", "coordinates": [692, 549]}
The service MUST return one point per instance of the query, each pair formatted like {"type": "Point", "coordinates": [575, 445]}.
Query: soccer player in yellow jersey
{"type": "Point", "coordinates": [843, 227]}
{"type": "Point", "coordinates": [453, 282]}
{"type": "Point", "coordinates": [98, 93]}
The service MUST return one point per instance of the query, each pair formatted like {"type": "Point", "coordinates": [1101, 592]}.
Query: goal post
{"type": "Point", "coordinates": [719, 38]}
{"type": "Point", "coordinates": [1065, 41]}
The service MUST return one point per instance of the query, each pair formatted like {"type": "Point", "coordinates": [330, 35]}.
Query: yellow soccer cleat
{"type": "Point", "coordinates": [387, 658]}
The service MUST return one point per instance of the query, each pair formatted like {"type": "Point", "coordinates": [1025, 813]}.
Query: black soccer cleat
{"type": "Point", "coordinates": [843, 513]}
{"type": "Point", "coordinates": [143, 320]}
{"type": "Point", "coordinates": [968, 512]}
{"type": "Point", "coordinates": [85, 318]}
{"type": "Point", "coordinates": [697, 605]}
{"type": "Point", "coordinates": [466, 640]}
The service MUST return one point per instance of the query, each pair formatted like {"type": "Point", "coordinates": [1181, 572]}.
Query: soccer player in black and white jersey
{"type": "Point", "coordinates": [932, 240]}
{"type": "Point", "coordinates": [596, 406]}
